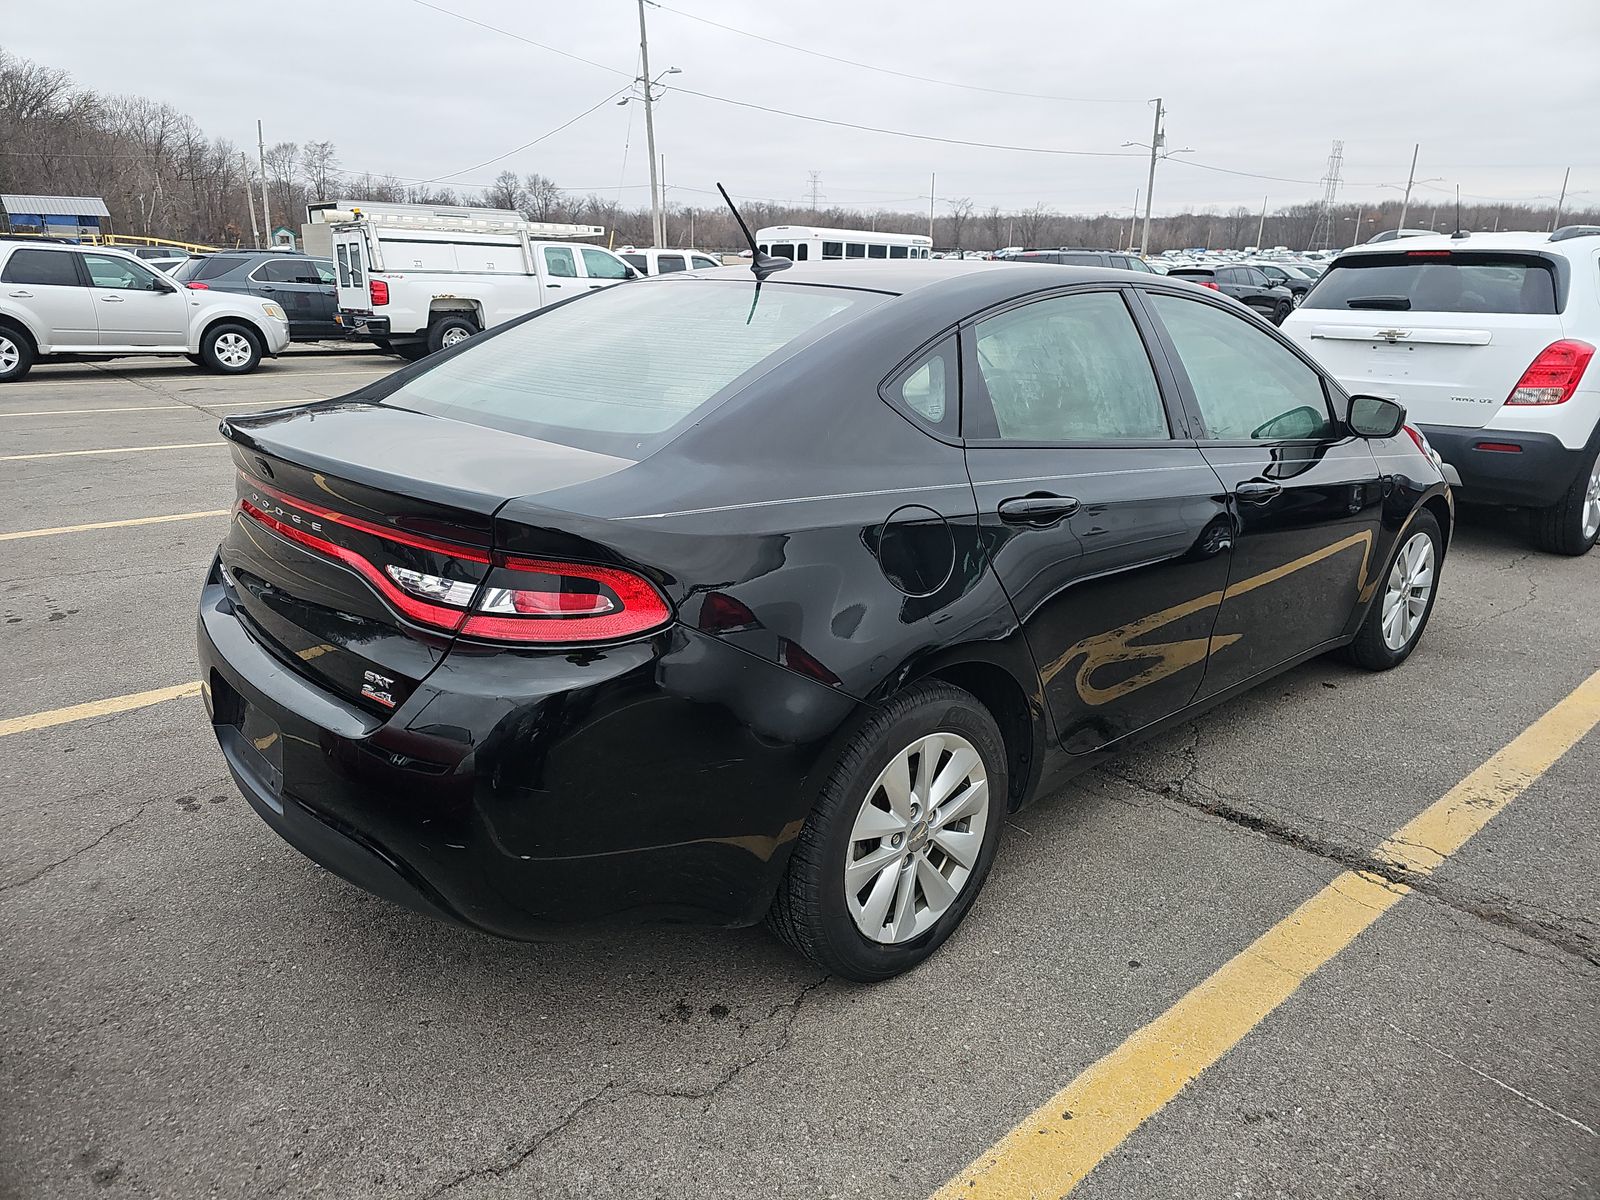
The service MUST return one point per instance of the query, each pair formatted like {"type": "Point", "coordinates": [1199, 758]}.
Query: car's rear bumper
{"type": "Point", "coordinates": [363, 325]}
{"type": "Point", "coordinates": [527, 793]}
{"type": "Point", "coordinates": [1495, 467]}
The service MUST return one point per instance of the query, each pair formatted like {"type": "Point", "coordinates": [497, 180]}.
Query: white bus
{"type": "Point", "coordinates": [805, 243]}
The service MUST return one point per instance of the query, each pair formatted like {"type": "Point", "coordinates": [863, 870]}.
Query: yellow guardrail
{"type": "Point", "coordinates": [123, 239]}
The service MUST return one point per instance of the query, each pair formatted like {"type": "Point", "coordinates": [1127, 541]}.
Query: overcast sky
{"type": "Point", "coordinates": [1503, 95]}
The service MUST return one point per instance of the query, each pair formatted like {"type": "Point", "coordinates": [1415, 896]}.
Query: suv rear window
{"type": "Point", "coordinates": [619, 371]}
{"type": "Point", "coordinates": [1438, 281]}
{"type": "Point", "coordinates": [207, 268]}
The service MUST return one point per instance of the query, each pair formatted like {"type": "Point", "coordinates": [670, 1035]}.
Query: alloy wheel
{"type": "Point", "coordinates": [232, 349]}
{"type": "Point", "coordinates": [1591, 498]}
{"type": "Point", "coordinates": [916, 838]}
{"type": "Point", "coordinates": [1410, 586]}
{"type": "Point", "coordinates": [10, 356]}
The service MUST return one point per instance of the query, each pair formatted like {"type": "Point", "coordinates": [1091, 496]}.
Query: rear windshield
{"type": "Point", "coordinates": [206, 268]}
{"type": "Point", "coordinates": [622, 369]}
{"type": "Point", "coordinates": [1438, 281]}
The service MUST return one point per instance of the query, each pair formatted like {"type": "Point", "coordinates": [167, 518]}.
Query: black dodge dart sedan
{"type": "Point", "coordinates": [697, 600]}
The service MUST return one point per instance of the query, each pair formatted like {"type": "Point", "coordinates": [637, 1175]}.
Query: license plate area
{"type": "Point", "coordinates": [251, 741]}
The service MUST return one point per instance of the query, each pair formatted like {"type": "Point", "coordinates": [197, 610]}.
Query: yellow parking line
{"type": "Point", "coordinates": [189, 516]}
{"type": "Point", "coordinates": [1051, 1150]}
{"type": "Point", "coordinates": [73, 412]}
{"type": "Point", "coordinates": [95, 708]}
{"type": "Point", "coordinates": [110, 450]}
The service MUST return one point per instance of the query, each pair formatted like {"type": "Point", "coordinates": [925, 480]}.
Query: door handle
{"type": "Point", "coordinates": [20, 295]}
{"type": "Point", "coordinates": [552, 285]}
{"type": "Point", "coordinates": [1258, 491]}
{"type": "Point", "coordinates": [1041, 509]}
{"type": "Point", "coordinates": [268, 288]}
{"type": "Point", "coordinates": [111, 299]}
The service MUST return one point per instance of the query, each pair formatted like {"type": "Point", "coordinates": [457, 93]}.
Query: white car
{"type": "Point", "coordinates": [655, 261]}
{"type": "Point", "coordinates": [92, 302]}
{"type": "Point", "coordinates": [1486, 339]}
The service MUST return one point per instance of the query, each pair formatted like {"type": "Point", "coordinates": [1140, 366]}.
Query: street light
{"type": "Point", "coordinates": [647, 88]}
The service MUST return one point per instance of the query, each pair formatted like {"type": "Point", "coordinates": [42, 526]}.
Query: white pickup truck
{"type": "Point", "coordinates": [418, 282]}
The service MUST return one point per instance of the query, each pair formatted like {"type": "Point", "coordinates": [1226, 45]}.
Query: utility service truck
{"type": "Point", "coordinates": [415, 279]}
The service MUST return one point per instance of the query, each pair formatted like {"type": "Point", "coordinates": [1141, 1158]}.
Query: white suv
{"type": "Point", "coordinates": [1486, 341]}
{"type": "Point", "coordinates": [89, 302]}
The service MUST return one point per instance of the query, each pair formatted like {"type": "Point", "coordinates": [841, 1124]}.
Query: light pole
{"type": "Point", "coordinates": [1158, 138]}
{"type": "Point", "coordinates": [648, 92]}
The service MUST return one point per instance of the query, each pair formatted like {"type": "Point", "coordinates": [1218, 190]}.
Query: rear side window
{"type": "Point", "coordinates": [668, 263]}
{"type": "Point", "coordinates": [559, 262]}
{"type": "Point", "coordinates": [701, 261]}
{"type": "Point", "coordinates": [601, 265]}
{"type": "Point", "coordinates": [638, 262]}
{"type": "Point", "coordinates": [1071, 368]}
{"type": "Point", "coordinates": [1246, 384]}
{"type": "Point", "coordinates": [928, 387]}
{"type": "Point", "coordinates": [1439, 281]}
{"type": "Point", "coordinates": [620, 370]}
{"type": "Point", "coordinates": [344, 265]}
{"type": "Point", "coordinates": [832, 249]}
{"type": "Point", "coordinates": [209, 267]}
{"type": "Point", "coordinates": [855, 250]}
{"type": "Point", "coordinates": [45, 268]}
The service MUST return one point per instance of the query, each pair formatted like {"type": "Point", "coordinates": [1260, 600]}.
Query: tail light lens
{"type": "Point", "coordinates": [521, 601]}
{"type": "Point", "coordinates": [378, 290]}
{"type": "Point", "coordinates": [198, 287]}
{"type": "Point", "coordinates": [1416, 436]}
{"type": "Point", "coordinates": [1206, 283]}
{"type": "Point", "coordinates": [1553, 376]}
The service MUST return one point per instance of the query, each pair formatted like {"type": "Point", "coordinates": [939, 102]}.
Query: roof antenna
{"type": "Point", "coordinates": [761, 264]}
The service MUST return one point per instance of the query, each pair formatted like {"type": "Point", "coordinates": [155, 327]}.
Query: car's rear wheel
{"type": "Point", "coordinates": [901, 839]}
{"type": "Point", "coordinates": [1572, 524]}
{"type": "Point", "coordinates": [1282, 311]}
{"type": "Point", "coordinates": [449, 331]}
{"type": "Point", "coordinates": [231, 349]}
{"type": "Point", "coordinates": [1400, 613]}
{"type": "Point", "coordinates": [16, 356]}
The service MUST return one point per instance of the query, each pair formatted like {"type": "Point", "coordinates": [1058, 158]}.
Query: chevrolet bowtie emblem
{"type": "Point", "coordinates": [1393, 335]}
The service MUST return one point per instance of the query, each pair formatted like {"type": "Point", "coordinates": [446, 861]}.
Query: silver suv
{"type": "Point", "coordinates": [91, 302]}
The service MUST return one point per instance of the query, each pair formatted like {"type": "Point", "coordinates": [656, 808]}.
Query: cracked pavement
{"type": "Point", "coordinates": [189, 1008]}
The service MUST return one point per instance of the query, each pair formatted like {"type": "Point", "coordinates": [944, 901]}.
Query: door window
{"type": "Point", "coordinates": [44, 268]}
{"type": "Point", "coordinates": [287, 270]}
{"type": "Point", "coordinates": [701, 261]}
{"type": "Point", "coordinates": [356, 279]}
{"type": "Point", "coordinates": [1246, 384]}
{"type": "Point", "coordinates": [344, 265]}
{"type": "Point", "coordinates": [1071, 368]}
{"type": "Point", "coordinates": [122, 274]}
{"type": "Point", "coordinates": [558, 261]}
{"type": "Point", "coordinates": [324, 272]}
{"type": "Point", "coordinates": [601, 265]}
{"type": "Point", "coordinates": [666, 263]}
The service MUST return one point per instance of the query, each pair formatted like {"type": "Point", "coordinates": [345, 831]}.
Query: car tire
{"type": "Point", "coordinates": [16, 355]}
{"type": "Point", "coordinates": [818, 913]}
{"type": "Point", "coordinates": [231, 349]}
{"type": "Point", "coordinates": [1572, 524]}
{"type": "Point", "coordinates": [447, 331]}
{"type": "Point", "coordinates": [1394, 624]}
{"type": "Point", "coordinates": [1282, 311]}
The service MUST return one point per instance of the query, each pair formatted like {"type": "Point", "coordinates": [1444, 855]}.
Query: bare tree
{"type": "Point", "coordinates": [283, 161]}
{"type": "Point", "coordinates": [542, 200]}
{"type": "Point", "coordinates": [960, 212]}
{"type": "Point", "coordinates": [319, 167]}
{"type": "Point", "coordinates": [1031, 223]}
{"type": "Point", "coordinates": [997, 227]}
{"type": "Point", "coordinates": [504, 192]}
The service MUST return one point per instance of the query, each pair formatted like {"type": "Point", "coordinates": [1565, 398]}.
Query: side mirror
{"type": "Point", "coordinates": [161, 285]}
{"type": "Point", "coordinates": [1375, 417]}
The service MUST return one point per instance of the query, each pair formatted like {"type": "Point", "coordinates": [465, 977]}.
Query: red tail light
{"type": "Point", "coordinates": [1416, 436]}
{"type": "Point", "coordinates": [1553, 376]}
{"type": "Point", "coordinates": [1206, 283]}
{"type": "Point", "coordinates": [198, 287]}
{"type": "Point", "coordinates": [379, 291]}
{"type": "Point", "coordinates": [1427, 254]}
{"type": "Point", "coordinates": [522, 600]}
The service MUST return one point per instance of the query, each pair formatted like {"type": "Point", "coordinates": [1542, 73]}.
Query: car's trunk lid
{"type": "Point", "coordinates": [343, 506]}
{"type": "Point", "coordinates": [1447, 334]}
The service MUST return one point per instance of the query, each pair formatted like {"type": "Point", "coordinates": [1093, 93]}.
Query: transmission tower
{"type": "Point", "coordinates": [814, 185]}
{"type": "Point", "coordinates": [1322, 236]}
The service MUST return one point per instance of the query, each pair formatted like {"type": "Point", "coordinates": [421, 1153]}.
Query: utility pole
{"type": "Point", "coordinates": [657, 229]}
{"type": "Point", "coordinates": [1361, 215]}
{"type": "Point", "coordinates": [662, 240]}
{"type": "Point", "coordinates": [1561, 203]}
{"type": "Point", "coordinates": [1261, 226]}
{"type": "Point", "coordinates": [1133, 219]}
{"type": "Point", "coordinates": [266, 214]}
{"type": "Point", "coordinates": [1410, 179]}
{"type": "Point", "coordinates": [1150, 187]}
{"type": "Point", "coordinates": [249, 198]}
{"type": "Point", "coordinates": [932, 179]}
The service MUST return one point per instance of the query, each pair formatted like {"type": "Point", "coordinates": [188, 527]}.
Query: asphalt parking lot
{"type": "Point", "coordinates": [190, 1008]}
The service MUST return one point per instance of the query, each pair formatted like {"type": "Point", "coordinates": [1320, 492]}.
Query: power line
{"type": "Point", "coordinates": [543, 136]}
{"type": "Point", "coordinates": [921, 137]}
{"type": "Point", "coordinates": [508, 33]}
{"type": "Point", "coordinates": [850, 62]}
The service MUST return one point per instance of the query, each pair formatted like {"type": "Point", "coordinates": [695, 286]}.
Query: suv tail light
{"type": "Point", "coordinates": [521, 601]}
{"type": "Point", "coordinates": [1553, 376]}
{"type": "Point", "coordinates": [199, 287]}
{"type": "Point", "coordinates": [379, 291]}
{"type": "Point", "coordinates": [1206, 283]}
